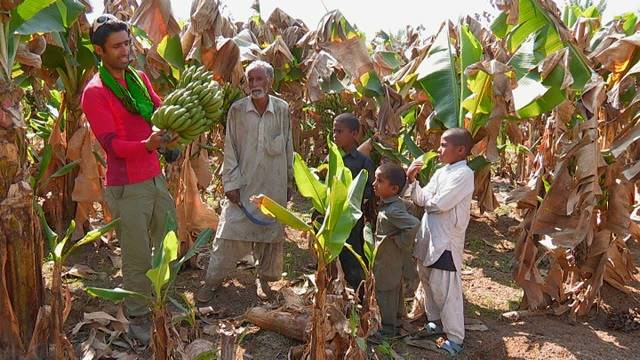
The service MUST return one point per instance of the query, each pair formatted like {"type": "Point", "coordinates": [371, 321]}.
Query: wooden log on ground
{"type": "Point", "coordinates": [290, 325]}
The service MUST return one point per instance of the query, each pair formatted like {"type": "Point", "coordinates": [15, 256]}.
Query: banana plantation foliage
{"type": "Point", "coordinates": [550, 93]}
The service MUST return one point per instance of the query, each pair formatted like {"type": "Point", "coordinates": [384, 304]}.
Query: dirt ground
{"type": "Point", "coordinates": [488, 288]}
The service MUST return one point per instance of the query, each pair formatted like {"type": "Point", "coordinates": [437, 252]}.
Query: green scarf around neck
{"type": "Point", "coordinates": [135, 97]}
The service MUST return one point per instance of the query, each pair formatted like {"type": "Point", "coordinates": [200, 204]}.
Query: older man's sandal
{"type": "Point", "coordinates": [205, 294]}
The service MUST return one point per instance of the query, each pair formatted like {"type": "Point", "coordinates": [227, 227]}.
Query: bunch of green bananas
{"type": "Point", "coordinates": [193, 107]}
{"type": "Point", "coordinates": [329, 107]}
{"type": "Point", "coordinates": [231, 94]}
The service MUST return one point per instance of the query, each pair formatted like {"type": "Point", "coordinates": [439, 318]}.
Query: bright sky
{"type": "Point", "coordinates": [371, 15]}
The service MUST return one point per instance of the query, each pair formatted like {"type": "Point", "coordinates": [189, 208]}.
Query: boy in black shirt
{"type": "Point", "coordinates": [346, 129]}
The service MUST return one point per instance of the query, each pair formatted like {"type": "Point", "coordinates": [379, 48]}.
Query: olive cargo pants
{"type": "Point", "coordinates": [142, 209]}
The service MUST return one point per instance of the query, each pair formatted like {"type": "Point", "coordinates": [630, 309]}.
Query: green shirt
{"type": "Point", "coordinates": [395, 236]}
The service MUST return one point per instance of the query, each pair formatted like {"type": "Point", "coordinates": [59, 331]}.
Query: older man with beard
{"type": "Point", "coordinates": [258, 158]}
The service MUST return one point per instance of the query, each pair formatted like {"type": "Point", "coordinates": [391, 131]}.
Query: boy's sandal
{"type": "Point", "coordinates": [452, 348]}
{"type": "Point", "coordinates": [432, 329]}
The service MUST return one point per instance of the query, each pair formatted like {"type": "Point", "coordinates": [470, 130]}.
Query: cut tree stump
{"type": "Point", "coordinates": [290, 325]}
{"type": "Point", "coordinates": [227, 342]}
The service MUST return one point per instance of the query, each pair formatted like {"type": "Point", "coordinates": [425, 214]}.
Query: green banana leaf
{"type": "Point", "coordinates": [479, 103]}
{"type": "Point", "coordinates": [408, 145]}
{"type": "Point", "coordinates": [178, 304]}
{"type": "Point", "coordinates": [369, 244]}
{"type": "Point", "coordinates": [573, 12]}
{"type": "Point", "coordinates": [499, 26]}
{"type": "Point", "coordinates": [269, 207]}
{"type": "Point", "coordinates": [536, 98]}
{"type": "Point", "coordinates": [26, 10]}
{"type": "Point", "coordinates": [335, 162]}
{"type": "Point", "coordinates": [57, 251]}
{"type": "Point", "coordinates": [470, 53]}
{"type": "Point", "coordinates": [359, 258]}
{"type": "Point", "coordinates": [629, 22]}
{"type": "Point", "coordinates": [409, 117]}
{"type": "Point", "coordinates": [343, 212]}
{"type": "Point", "coordinates": [44, 16]}
{"type": "Point", "coordinates": [170, 224]}
{"type": "Point", "coordinates": [370, 250]}
{"type": "Point", "coordinates": [478, 163]}
{"type": "Point", "coordinates": [67, 168]}
{"type": "Point", "coordinates": [54, 18]}
{"type": "Point", "coordinates": [545, 103]}
{"type": "Point", "coordinates": [170, 50]}
{"type": "Point", "coordinates": [430, 160]}
{"type": "Point", "coordinates": [160, 274]}
{"type": "Point", "coordinates": [200, 241]}
{"type": "Point", "coordinates": [437, 75]}
{"type": "Point", "coordinates": [141, 37]}
{"type": "Point", "coordinates": [534, 19]}
{"type": "Point", "coordinates": [525, 60]}
{"type": "Point", "coordinates": [91, 236]}
{"type": "Point", "coordinates": [308, 184]}
{"type": "Point", "coordinates": [370, 85]}
{"type": "Point", "coordinates": [335, 203]}
{"type": "Point", "coordinates": [442, 75]}
{"type": "Point", "coordinates": [390, 153]}
{"type": "Point", "coordinates": [45, 160]}
{"type": "Point", "coordinates": [392, 59]}
{"type": "Point", "coordinates": [49, 234]}
{"type": "Point", "coordinates": [115, 295]}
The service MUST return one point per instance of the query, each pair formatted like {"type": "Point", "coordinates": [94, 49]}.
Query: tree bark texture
{"type": "Point", "coordinates": [160, 342]}
{"type": "Point", "coordinates": [288, 324]}
{"type": "Point", "coordinates": [21, 252]}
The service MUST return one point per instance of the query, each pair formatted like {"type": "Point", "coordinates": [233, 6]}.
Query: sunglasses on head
{"type": "Point", "coordinates": [102, 20]}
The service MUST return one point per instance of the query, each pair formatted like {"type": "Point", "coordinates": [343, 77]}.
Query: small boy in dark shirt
{"type": "Point", "coordinates": [346, 129]}
{"type": "Point", "coordinates": [395, 235]}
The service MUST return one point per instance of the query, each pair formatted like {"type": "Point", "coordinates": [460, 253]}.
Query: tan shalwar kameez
{"type": "Point", "coordinates": [395, 234]}
{"type": "Point", "coordinates": [258, 158]}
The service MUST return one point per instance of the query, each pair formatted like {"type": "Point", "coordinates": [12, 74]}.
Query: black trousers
{"type": "Point", "coordinates": [353, 272]}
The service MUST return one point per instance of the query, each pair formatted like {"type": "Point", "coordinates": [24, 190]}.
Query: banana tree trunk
{"type": "Point", "coordinates": [56, 311]}
{"type": "Point", "coordinates": [160, 342]}
{"type": "Point", "coordinates": [62, 348]}
{"type": "Point", "coordinates": [319, 319]}
{"type": "Point", "coordinates": [21, 251]}
{"type": "Point", "coordinates": [370, 320]}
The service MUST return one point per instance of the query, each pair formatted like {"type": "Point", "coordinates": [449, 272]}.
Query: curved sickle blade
{"type": "Point", "coordinates": [254, 219]}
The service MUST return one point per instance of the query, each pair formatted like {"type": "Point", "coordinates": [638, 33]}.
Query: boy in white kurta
{"type": "Point", "coordinates": [440, 241]}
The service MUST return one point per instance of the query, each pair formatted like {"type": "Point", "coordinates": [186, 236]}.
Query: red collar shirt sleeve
{"type": "Point", "coordinates": [120, 133]}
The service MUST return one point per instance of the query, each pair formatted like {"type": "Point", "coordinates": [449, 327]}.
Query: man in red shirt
{"type": "Point", "coordinates": [119, 102]}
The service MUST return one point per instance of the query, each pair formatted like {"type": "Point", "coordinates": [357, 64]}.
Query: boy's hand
{"type": "Point", "coordinates": [233, 196]}
{"type": "Point", "coordinates": [414, 169]}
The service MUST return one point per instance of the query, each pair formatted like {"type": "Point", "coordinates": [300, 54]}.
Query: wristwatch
{"type": "Point", "coordinates": [170, 155]}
